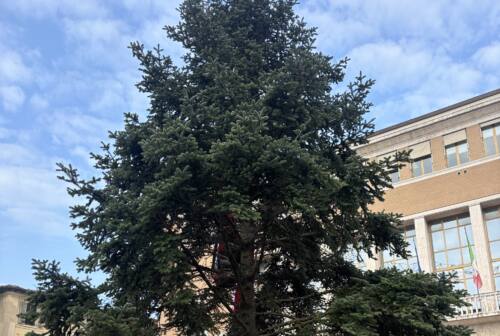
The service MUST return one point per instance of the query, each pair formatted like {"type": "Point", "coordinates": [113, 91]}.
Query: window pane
{"type": "Point", "coordinates": [415, 166]}
{"type": "Point", "coordinates": [458, 285]}
{"type": "Point", "coordinates": [427, 165]}
{"type": "Point", "coordinates": [464, 236]}
{"type": "Point", "coordinates": [471, 287]}
{"type": "Point", "coordinates": [450, 224]}
{"type": "Point", "coordinates": [413, 264]}
{"type": "Point", "coordinates": [497, 282]}
{"type": "Point", "coordinates": [463, 152]}
{"type": "Point", "coordinates": [440, 260]}
{"type": "Point", "coordinates": [464, 220]}
{"type": "Point", "coordinates": [436, 227]}
{"type": "Point", "coordinates": [493, 229]}
{"type": "Point", "coordinates": [495, 249]}
{"type": "Point", "coordinates": [489, 145]}
{"type": "Point", "coordinates": [492, 213]}
{"type": "Point", "coordinates": [387, 256]}
{"type": "Point", "coordinates": [496, 268]}
{"type": "Point", "coordinates": [438, 241]}
{"type": "Point", "coordinates": [401, 265]}
{"type": "Point", "coordinates": [454, 258]}
{"type": "Point", "coordinates": [497, 131]}
{"type": "Point", "coordinates": [452, 239]}
{"type": "Point", "coordinates": [394, 176]}
{"type": "Point", "coordinates": [411, 247]}
{"type": "Point", "coordinates": [451, 156]}
{"type": "Point", "coordinates": [466, 255]}
{"type": "Point", "coordinates": [488, 132]}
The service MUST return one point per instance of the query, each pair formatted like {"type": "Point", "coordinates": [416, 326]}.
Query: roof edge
{"type": "Point", "coordinates": [436, 112]}
{"type": "Point", "coordinates": [14, 288]}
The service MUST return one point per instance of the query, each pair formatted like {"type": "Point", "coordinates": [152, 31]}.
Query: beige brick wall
{"type": "Point", "coordinates": [437, 151]}
{"type": "Point", "coordinates": [443, 190]}
{"type": "Point", "coordinates": [475, 141]}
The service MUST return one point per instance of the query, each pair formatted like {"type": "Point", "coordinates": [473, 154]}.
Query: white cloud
{"type": "Point", "coordinates": [31, 196]}
{"type": "Point", "coordinates": [54, 8]}
{"type": "Point", "coordinates": [15, 154]}
{"type": "Point", "coordinates": [12, 97]}
{"type": "Point", "coordinates": [5, 133]}
{"type": "Point", "coordinates": [32, 188]}
{"type": "Point", "coordinates": [38, 102]}
{"type": "Point", "coordinates": [395, 66]}
{"type": "Point", "coordinates": [42, 221]}
{"type": "Point", "coordinates": [72, 128]}
{"type": "Point", "coordinates": [488, 57]}
{"type": "Point", "coordinates": [13, 68]}
{"type": "Point", "coordinates": [419, 52]}
{"type": "Point", "coordinates": [95, 30]}
{"type": "Point", "coordinates": [445, 23]}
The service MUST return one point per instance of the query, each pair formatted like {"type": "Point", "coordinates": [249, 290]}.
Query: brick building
{"type": "Point", "coordinates": [448, 194]}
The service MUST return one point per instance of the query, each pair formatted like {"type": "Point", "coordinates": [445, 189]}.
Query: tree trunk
{"type": "Point", "coordinates": [246, 311]}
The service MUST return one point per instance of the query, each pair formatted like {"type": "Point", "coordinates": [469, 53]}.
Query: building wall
{"type": "Point", "coordinates": [467, 182]}
{"type": "Point", "coordinates": [467, 188]}
{"type": "Point", "coordinates": [487, 329]}
{"type": "Point", "coordinates": [10, 305]}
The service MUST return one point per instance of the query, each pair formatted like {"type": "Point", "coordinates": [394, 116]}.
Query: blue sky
{"type": "Point", "coordinates": [67, 77]}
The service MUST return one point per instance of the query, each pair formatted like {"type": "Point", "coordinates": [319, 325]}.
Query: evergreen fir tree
{"type": "Point", "coordinates": [244, 179]}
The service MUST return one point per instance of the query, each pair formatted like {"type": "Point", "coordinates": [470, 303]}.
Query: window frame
{"type": "Point", "coordinates": [464, 269]}
{"type": "Point", "coordinates": [394, 172]}
{"type": "Point", "coordinates": [495, 136]}
{"type": "Point", "coordinates": [496, 274]}
{"type": "Point", "coordinates": [25, 307]}
{"type": "Point", "coordinates": [456, 147]}
{"type": "Point", "coordinates": [420, 161]}
{"type": "Point", "coordinates": [392, 260]}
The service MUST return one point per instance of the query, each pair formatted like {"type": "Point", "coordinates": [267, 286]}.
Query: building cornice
{"type": "Point", "coordinates": [438, 115]}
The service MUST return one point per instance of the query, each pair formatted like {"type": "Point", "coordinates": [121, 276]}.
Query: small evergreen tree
{"type": "Point", "coordinates": [244, 181]}
{"type": "Point", "coordinates": [67, 306]}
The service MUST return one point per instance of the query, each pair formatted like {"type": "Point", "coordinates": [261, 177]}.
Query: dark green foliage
{"type": "Point", "coordinates": [245, 145]}
{"type": "Point", "coordinates": [67, 306]}
{"type": "Point", "coordinates": [389, 302]}
{"type": "Point", "coordinates": [62, 300]}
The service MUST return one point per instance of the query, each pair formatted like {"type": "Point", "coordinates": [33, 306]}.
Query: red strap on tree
{"type": "Point", "coordinates": [237, 299]}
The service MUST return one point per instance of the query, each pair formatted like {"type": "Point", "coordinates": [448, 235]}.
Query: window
{"type": "Point", "coordinates": [491, 139]}
{"type": "Point", "coordinates": [457, 153]}
{"type": "Point", "coordinates": [492, 219]}
{"type": "Point", "coordinates": [422, 165]}
{"type": "Point", "coordinates": [24, 308]}
{"type": "Point", "coordinates": [391, 260]}
{"type": "Point", "coordinates": [394, 175]}
{"type": "Point", "coordinates": [421, 158]}
{"type": "Point", "coordinates": [357, 258]}
{"type": "Point", "coordinates": [449, 243]}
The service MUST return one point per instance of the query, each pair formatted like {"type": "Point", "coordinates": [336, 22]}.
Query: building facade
{"type": "Point", "coordinates": [449, 197]}
{"type": "Point", "coordinates": [13, 301]}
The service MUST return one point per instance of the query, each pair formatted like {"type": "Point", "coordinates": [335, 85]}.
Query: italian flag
{"type": "Point", "coordinates": [476, 277]}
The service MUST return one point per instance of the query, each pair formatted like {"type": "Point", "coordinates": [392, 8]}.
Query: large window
{"type": "Point", "coordinates": [25, 307]}
{"type": "Point", "coordinates": [449, 242]}
{"type": "Point", "coordinates": [357, 258]}
{"type": "Point", "coordinates": [491, 139]}
{"type": "Point", "coordinates": [391, 260]}
{"type": "Point", "coordinates": [492, 218]}
{"type": "Point", "coordinates": [421, 165]}
{"type": "Point", "coordinates": [457, 153]}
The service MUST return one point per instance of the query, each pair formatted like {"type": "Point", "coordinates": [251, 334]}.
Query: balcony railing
{"type": "Point", "coordinates": [481, 305]}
